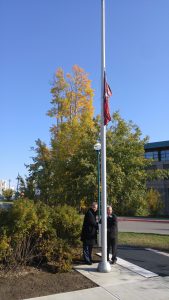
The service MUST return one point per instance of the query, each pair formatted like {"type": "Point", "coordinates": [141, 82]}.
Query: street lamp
{"type": "Point", "coordinates": [17, 187]}
{"type": "Point", "coordinates": [97, 147]}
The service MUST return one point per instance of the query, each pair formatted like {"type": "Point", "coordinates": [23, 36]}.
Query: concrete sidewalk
{"type": "Point", "coordinates": [120, 284]}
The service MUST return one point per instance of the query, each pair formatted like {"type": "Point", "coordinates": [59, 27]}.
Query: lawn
{"type": "Point", "coordinates": [147, 240]}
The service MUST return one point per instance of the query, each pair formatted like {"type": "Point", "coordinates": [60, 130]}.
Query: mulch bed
{"type": "Point", "coordinates": [32, 282]}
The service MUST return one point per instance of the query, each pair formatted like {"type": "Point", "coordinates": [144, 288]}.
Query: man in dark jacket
{"type": "Point", "coordinates": [89, 233]}
{"type": "Point", "coordinates": [112, 232]}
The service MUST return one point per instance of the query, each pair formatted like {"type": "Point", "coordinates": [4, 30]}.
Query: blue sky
{"type": "Point", "coordinates": [38, 36]}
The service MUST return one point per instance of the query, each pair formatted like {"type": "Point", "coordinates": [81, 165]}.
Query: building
{"type": "Point", "coordinates": [3, 186]}
{"type": "Point", "coordinates": [159, 152]}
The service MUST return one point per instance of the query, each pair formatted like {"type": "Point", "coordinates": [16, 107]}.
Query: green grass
{"type": "Point", "coordinates": [6, 202]}
{"type": "Point", "coordinates": [148, 240]}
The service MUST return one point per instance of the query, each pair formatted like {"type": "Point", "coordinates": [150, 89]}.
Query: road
{"type": "Point", "coordinates": [143, 226]}
{"type": "Point", "coordinates": [148, 259]}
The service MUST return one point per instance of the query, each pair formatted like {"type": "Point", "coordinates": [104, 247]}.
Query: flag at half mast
{"type": "Point", "coordinates": [107, 95]}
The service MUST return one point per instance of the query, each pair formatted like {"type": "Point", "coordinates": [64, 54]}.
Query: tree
{"type": "Point", "coordinates": [126, 166]}
{"type": "Point", "coordinates": [72, 98]}
{"type": "Point", "coordinates": [65, 172]}
{"type": "Point", "coordinates": [40, 173]}
{"type": "Point", "coordinates": [8, 193]}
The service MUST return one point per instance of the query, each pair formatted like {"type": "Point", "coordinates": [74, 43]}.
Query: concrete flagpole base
{"type": "Point", "coordinates": [104, 267]}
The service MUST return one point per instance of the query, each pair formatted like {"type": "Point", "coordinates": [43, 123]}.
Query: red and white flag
{"type": "Point", "coordinates": [107, 95]}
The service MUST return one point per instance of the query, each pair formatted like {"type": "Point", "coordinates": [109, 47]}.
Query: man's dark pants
{"type": "Point", "coordinates": [112, 244]}
{"type": "Point", "coordinates": [87, 252]}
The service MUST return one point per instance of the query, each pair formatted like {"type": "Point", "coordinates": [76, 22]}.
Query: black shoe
{"type": "Point", "coordinates": [113, 261]}
{"type": "Point", "coordinates": [88, 263]}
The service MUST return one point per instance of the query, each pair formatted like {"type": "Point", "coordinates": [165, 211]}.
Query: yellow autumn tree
{"type": "Point", "coordinates": [72, 107]}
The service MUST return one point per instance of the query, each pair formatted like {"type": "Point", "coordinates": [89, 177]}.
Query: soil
{"type": "Point", "coordinates": [33, 282]}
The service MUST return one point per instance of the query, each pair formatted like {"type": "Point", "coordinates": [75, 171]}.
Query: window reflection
{"type": "Point", "coordinates": [165, 155]}
{"type": "Point", "coordinates": [158, 156]}
{"type": "Point", "coordinates": [152, 155]}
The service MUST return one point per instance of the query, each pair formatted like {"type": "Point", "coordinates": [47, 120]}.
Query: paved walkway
{"type": "Point", "coordinates": [122, 283]}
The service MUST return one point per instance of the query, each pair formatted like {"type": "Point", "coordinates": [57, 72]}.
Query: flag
{"type": "Point", "coordinates": [107, 94]}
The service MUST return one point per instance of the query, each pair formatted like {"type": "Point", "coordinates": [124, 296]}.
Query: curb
{"type": "Point", "coordinates": [123, 219]}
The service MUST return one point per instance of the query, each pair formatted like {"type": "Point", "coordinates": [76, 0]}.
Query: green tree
{"type": "Point", "coordinates": [126, 167]}
{"type": "Point", "coordinates": [40, 173]}
{"type": "Point", "coordinates": [8, 193]}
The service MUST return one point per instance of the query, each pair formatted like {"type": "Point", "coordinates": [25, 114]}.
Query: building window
{"type": "Point", "coordinates": [166, 166]}
{"type": "Point", "coordinates": [165, 155]}
{"type": "Point", "coordinates": [152, 167]}
{"type": "Point", "coordinates": [152, 155]}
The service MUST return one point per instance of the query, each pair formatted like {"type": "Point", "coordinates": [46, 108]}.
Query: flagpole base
{"type": "Point", "coordinates": [104, 267]}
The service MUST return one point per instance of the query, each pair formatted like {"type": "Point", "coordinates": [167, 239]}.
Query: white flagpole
{"type": "Point", "coordinates": [103, 266]}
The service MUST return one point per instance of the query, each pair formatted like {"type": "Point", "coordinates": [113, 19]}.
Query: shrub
{"type": "Point", "coordinates": [58, 252]}
{"type": "Point", "coordinates": [67, 223]}
{"type": "Point", "coordinates": [34, 232]}
{"type": "Point", "coordinates": [24, 229]}
{"type": "Point", "coordinates": [154, 202]}
{"type": "Point", "coordinates": [5, 249]}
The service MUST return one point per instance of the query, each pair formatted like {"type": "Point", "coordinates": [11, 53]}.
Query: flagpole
{"type": "Point", "coordinates": [104, 265]}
